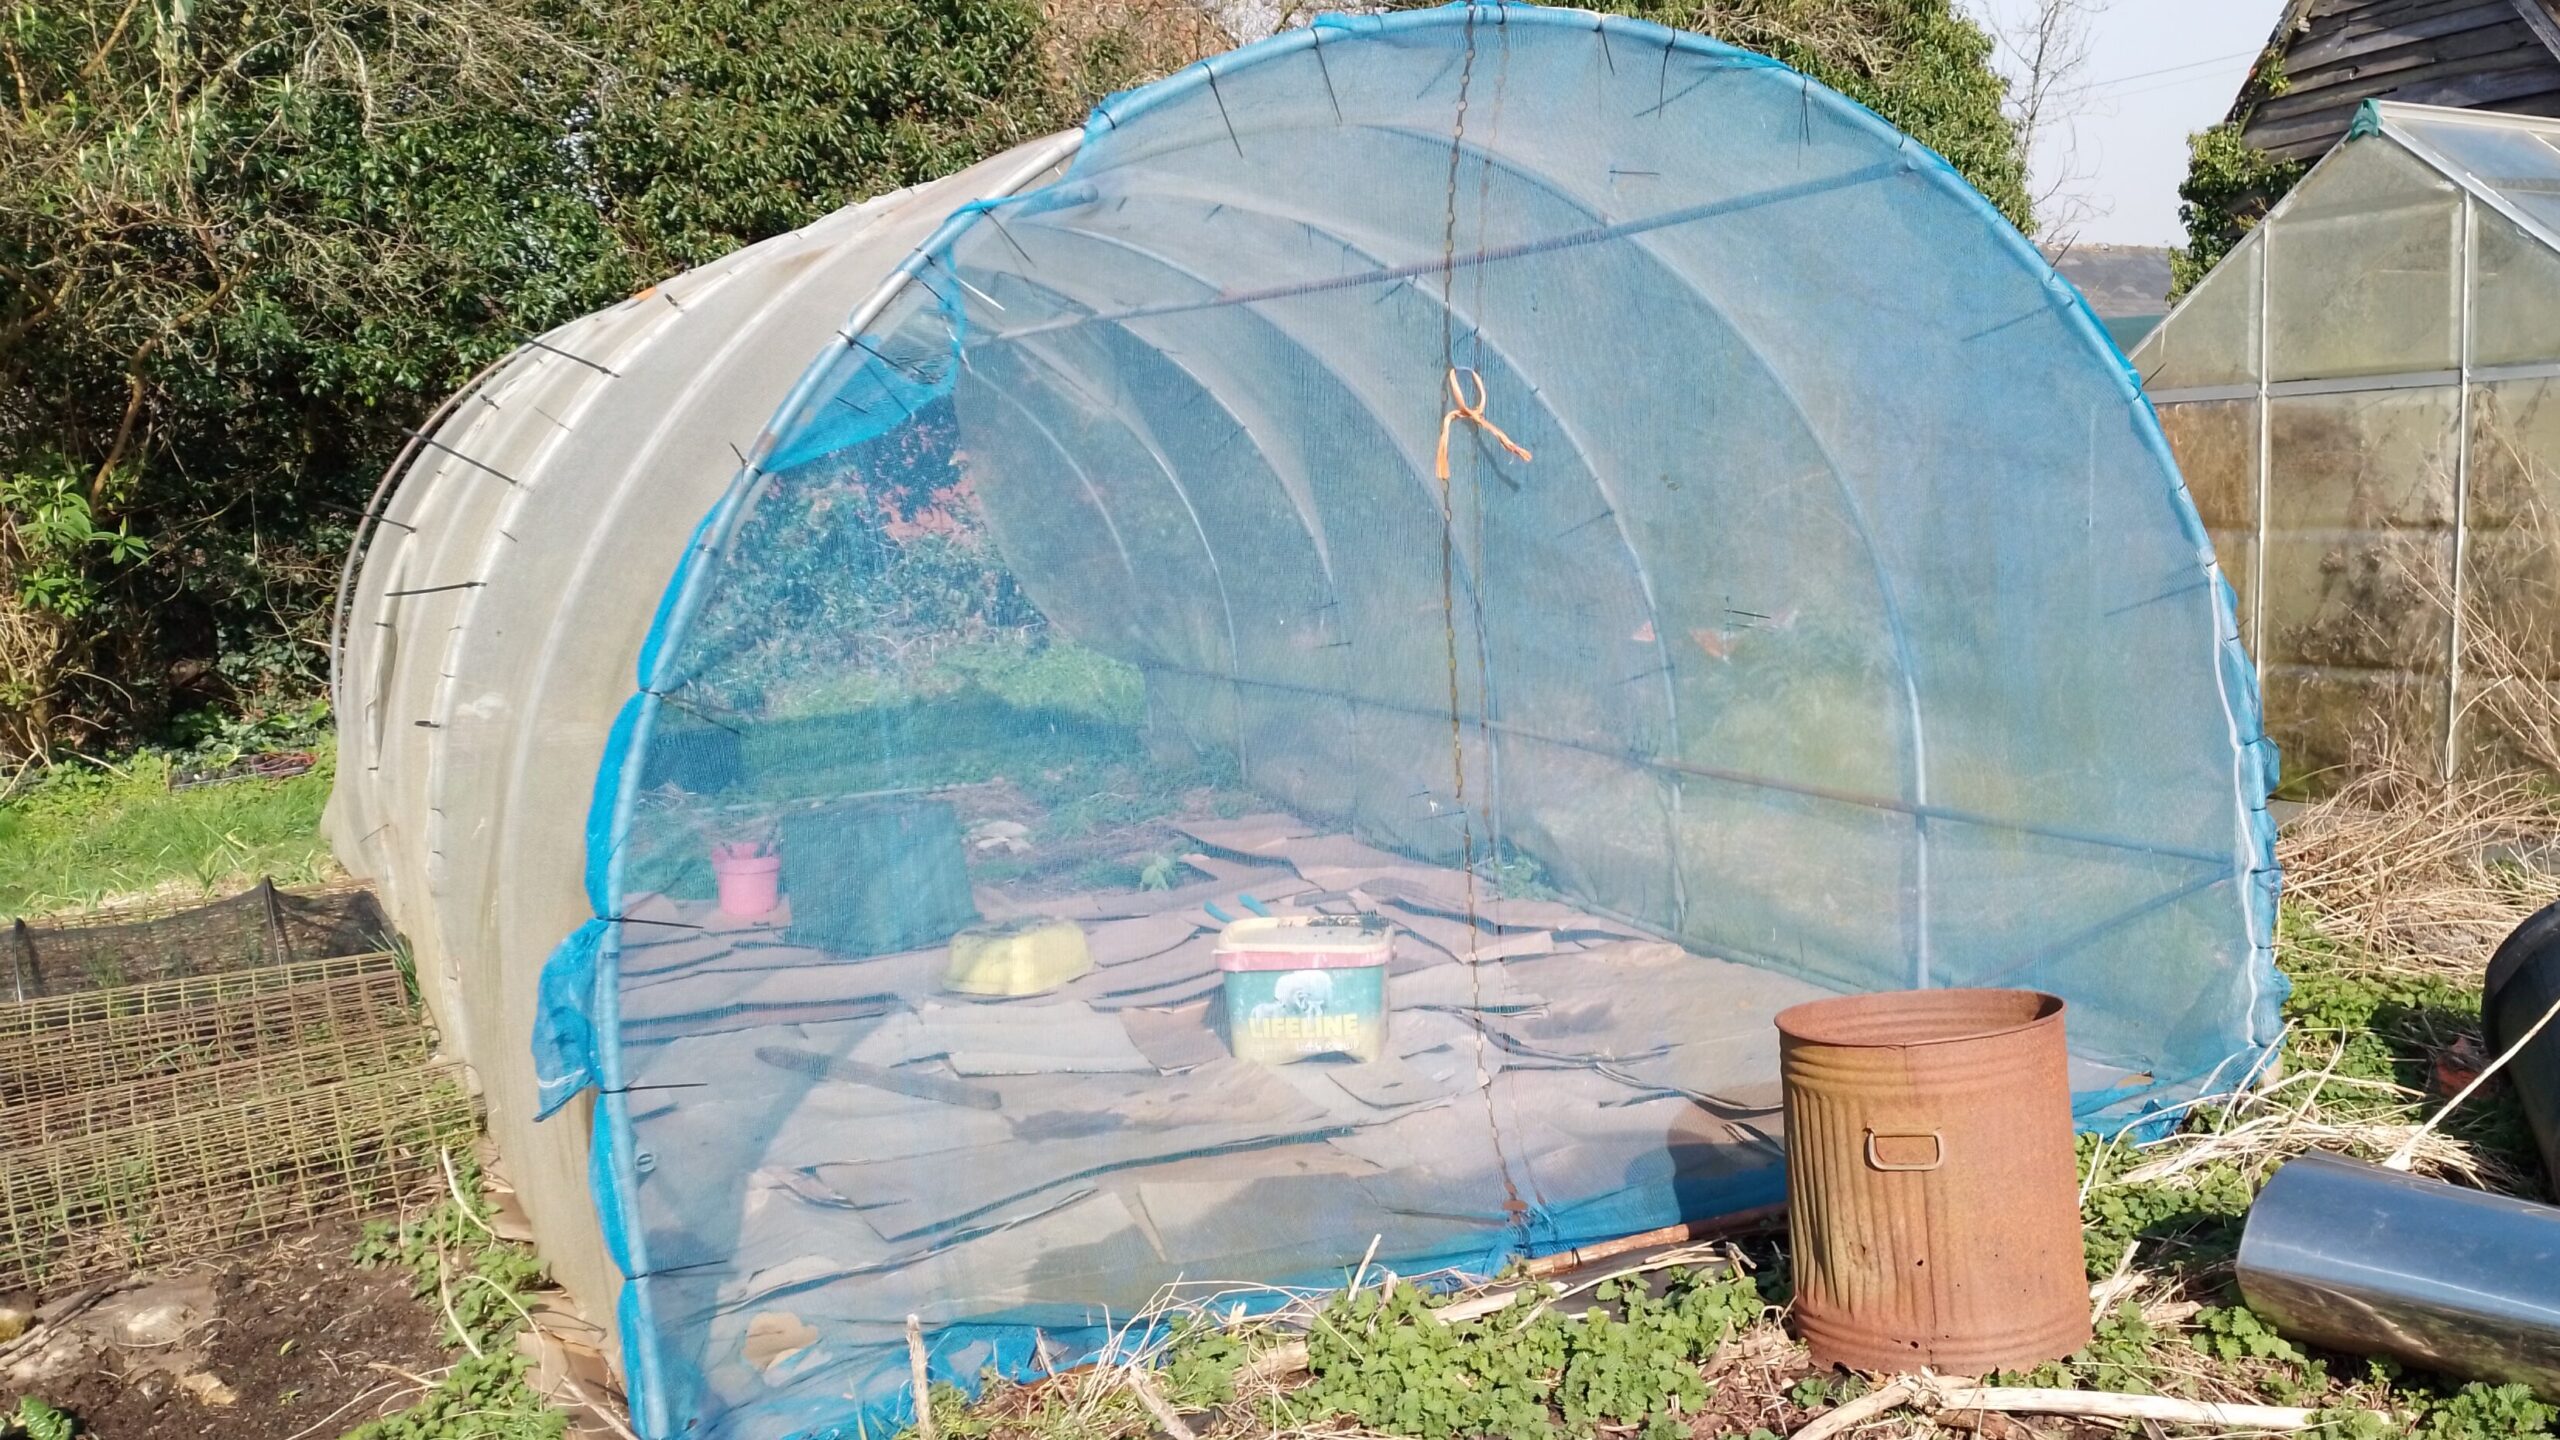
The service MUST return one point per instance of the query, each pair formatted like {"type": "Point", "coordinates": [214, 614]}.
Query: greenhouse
{"type": "Point", "coordinates": [1284, 681]}
{"type": "Point", "coordinates": [2365, 398]}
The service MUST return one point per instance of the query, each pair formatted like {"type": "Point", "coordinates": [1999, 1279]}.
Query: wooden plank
{"type": "Point", "coordinates": [2310, 135]}
{"type": "Point", "coordinates": [2489, 46]}
{"type": "Point", "coordinates": [2333, 9]}
{"type": "Point", "coordinates": [2365, 35]}
{"type": "Point", "coordinates": [2482, 90]}
{"type": "Point", "coordinates": [2332, 19]}
{"type": "Point", "coordinates": [2404, 84]}
{"type": "Point", "coordinates": [2542, 17]}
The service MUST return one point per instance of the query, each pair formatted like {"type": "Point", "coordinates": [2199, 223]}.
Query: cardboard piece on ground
{"type": "Point", "coordinates": [1390, 1083]}
{"type": "Point", "coordinates": [1452, 986]}
{"type": "Point", "coordinates": [662, 965]}
{"type": "Point", "coordinates": [1245, 875]}
{"type": "Point", "coordinates": [1472, 943]}
{"type": "Point", "coordinates": [1175, 1038]}
{"type": "Point", "coordinates": [1133, 903]}
{"type": "Point", "coordinates": [1223, 1105]}
{"type": "Point", "coordinates": [1313, 1080]}
{"type": "Point", "coordinates": [1265, 1225]}
{"type": "Point", "coordinates": [1422, 1150]}
{"type": "Point", "coordinates": [1418, 1032]}
{"type": "Point", "coordinates": [1169, 977]}
{"type": "Point", "coordinates": [1052, 1037]}
{"type": "Point", "coordinates": [823, 987]}
{"type": "Point", "coordinates": [1117, 942]}
{"type": "Point", "coordinates": [1247, 834]}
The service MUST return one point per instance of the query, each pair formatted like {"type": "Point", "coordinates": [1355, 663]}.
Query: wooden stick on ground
{"type": "Point", "coordinates": [916, 1373]}
{"type": "Point", "coordinates": [2108, 1405]}
{"type": "Point", "coordinates": [1847, 1417]}
{"type": "Point", "coordinates": [1933, 1393]}
{"type": "Point", "coordinates": [1144, 1384]}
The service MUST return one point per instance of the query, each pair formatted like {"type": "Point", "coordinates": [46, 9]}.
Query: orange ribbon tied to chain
{"type": "Point", "coordinates": [1473, 415]}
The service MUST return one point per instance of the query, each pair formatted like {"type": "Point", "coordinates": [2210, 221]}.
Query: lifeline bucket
{"type": "Point", "coordinates": [1932, 1191]}
{"type": "Point", "coordinates": [1300, 986]}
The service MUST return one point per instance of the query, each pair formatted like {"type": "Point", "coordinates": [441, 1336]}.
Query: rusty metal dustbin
{"type": "Point", "coordinates": [1931, 1189]}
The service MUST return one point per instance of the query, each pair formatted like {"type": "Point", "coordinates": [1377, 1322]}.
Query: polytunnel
{"type": "Point", "coordinates": [1297, 677]}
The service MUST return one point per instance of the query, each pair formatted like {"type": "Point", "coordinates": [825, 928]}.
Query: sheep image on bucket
{"type": "Point", "coordinates": [1931, 1186]}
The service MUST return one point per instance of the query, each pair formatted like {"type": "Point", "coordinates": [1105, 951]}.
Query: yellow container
{"type": "Point", "coordinates": [1026, 957]}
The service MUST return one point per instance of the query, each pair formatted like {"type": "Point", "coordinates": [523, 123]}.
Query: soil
{"type": "Point", "coordinates": [308, 1345]}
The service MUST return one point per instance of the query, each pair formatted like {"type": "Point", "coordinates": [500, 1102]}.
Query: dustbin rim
{"type": "Point", "coordinates": [1903, 1019]}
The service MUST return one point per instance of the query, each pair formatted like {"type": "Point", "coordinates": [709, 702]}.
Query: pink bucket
{"type": "Point", "coordinates": [750, 880]}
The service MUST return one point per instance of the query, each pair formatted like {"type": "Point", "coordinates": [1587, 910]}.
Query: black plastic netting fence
{"type": "Point", "coordinates": [258, 927]}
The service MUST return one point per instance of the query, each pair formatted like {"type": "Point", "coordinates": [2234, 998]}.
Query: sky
{"type": "Point", "coordinates": [2158, 70]}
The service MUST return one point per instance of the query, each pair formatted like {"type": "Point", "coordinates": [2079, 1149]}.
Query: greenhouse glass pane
{"type": "Point", "coordinates": [2216, 442]}
{"type": "Point", "coordinates": [2359, 557]}
{"type": "Point", "coordinates": [2364, 279]}
{"type": "Point", "coordinates": [2515, 280]}
{"type": "Point", "coordinates": [2511, 574]}
{"type": "Point", "coordinates": [2212, 338]}
{"type": "Point", "coordinates": [2516, 157]}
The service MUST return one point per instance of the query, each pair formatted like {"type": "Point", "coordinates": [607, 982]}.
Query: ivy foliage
{"type": "Point", "coordinates": [245, 245]}
{"type": "Point", "coordinates": [2230, 184]}
{"type": "Point", "coordinates": [37, 1420]}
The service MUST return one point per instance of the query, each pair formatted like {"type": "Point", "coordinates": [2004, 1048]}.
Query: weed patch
{"type": "Point", "coordinates": [479, 1283]}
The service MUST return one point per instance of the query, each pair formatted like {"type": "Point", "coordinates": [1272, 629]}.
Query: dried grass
{"type": "Point", "coordinates": [2416, 874]}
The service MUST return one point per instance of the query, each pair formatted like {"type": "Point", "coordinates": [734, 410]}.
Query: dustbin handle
{"type": "Point", "coordinates": [1937, 1156]}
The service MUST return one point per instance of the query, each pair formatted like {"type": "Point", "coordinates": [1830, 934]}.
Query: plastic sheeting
{"type": "Point", "coordinates": [1624, 533]}
{"type": "Point", "coordinates": [504, 593]}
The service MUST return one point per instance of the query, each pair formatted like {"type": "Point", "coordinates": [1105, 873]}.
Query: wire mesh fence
{"type": "Point", "coordinates": [68, 1044]}
{"type": "Point", "coordinates": [364, 1055]}
{"type": "Point", "coordinates": [175, 1081]}
{"type": "Point", "coordinates": [220, 1175]}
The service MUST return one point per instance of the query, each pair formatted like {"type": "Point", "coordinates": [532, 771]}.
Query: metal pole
{"type": "Point", "coordinates": [2266, 463]}
{"type": "Point", "coordinates": [2461, 489]}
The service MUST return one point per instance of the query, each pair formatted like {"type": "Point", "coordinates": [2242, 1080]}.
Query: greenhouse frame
{"type": "Point", "coordinates": [2365, 399]}
{"type": "Point", "coordinates": [1283, 682]}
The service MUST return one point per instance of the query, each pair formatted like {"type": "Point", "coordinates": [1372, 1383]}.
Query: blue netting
{"type": "Point", "coordinates": [1807, 602]}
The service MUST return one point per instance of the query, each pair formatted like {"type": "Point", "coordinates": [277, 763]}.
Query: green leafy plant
{"type": "Point", "coordinates": [479, 1284]}
{"type": "Point", "coordinates": [2230, 184]}
{"type": "Point", "coordinates": [245, 247]}
{"type": "Point", "coordinates": [2236, 1333]}
{"type": "Point", "coordinates": [37, 1420]}
{"type": "Point", "coordinates": [2486, 1412]}
{"type": "Point", "coordinates": [1386, 1363]}
{"type": "Point", "coordinates": [58, 541]}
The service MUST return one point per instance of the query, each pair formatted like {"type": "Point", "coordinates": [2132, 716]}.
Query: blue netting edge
{"type": "Point", "coordinates": [570, 1055]}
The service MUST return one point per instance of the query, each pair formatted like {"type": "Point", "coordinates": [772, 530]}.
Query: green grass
{"type": "Point", "coordinates": [89, 833]}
